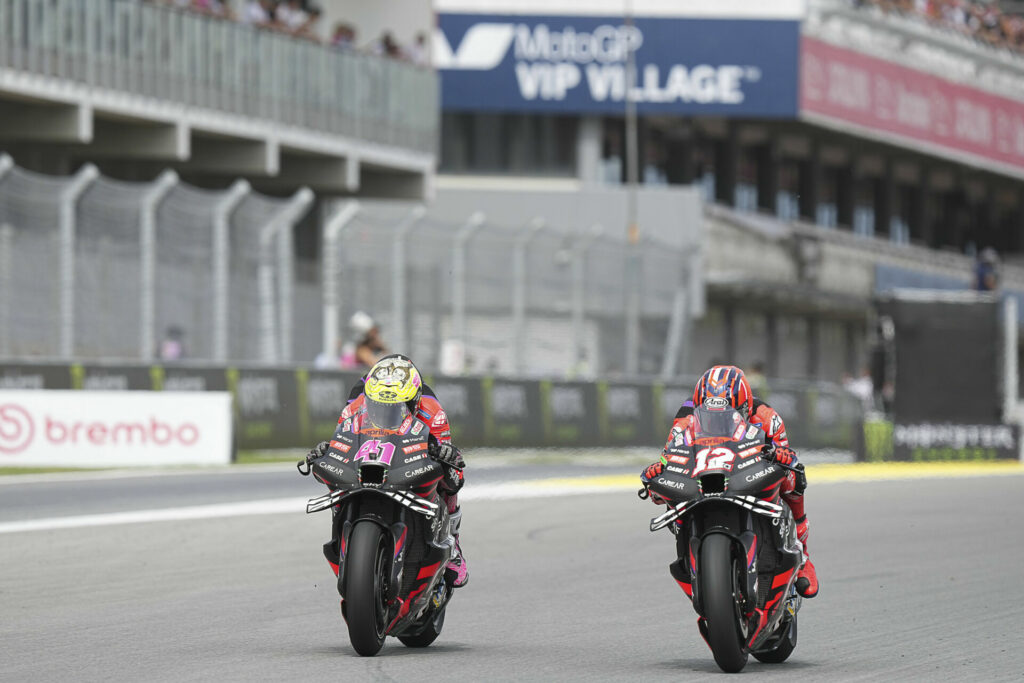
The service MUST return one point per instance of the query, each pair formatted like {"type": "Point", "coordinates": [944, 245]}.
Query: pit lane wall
{"type": "Point", "coordinates": [297, 407]}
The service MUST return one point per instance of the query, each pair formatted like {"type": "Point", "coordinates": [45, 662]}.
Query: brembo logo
{"type": "Point", "coordinates": [18, 431]}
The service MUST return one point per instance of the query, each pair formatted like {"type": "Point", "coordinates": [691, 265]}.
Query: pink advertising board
{"type": "Point", "coordinates": [906, 106]}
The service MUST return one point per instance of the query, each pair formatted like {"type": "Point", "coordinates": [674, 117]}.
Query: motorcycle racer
{"type": "Point", "coordinates": [391, 393]}
{"type": "Point", "coordinates": [725, 386]}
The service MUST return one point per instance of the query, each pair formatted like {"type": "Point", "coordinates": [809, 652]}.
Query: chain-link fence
{"type": "Point", "coordinates": [481, 297]}
{"type": "Point", "coordinates": [93, 268]}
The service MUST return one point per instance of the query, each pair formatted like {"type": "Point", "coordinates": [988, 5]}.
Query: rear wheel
{"type": "Point", "coordinates": [429, 633]}
{"type": "Point", "coordinates": [783, 649]}
{"type": "Point", "coordinates": [366, 578]}
{"type": "Point", "coordinates": [720, 595]}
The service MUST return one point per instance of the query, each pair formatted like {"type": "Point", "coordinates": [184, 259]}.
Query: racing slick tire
{"type": "Point", "coordinates": [720, 594]}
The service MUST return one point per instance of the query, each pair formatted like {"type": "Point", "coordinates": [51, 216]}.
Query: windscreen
{"type": "Point", "coordinates": [386, 415]}
{"type": "Point", "coordinates": [717, 423]}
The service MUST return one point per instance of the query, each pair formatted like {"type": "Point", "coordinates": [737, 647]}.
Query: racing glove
{"type": "Point", "coordinates": [445, 453]}
{"type": "Point", "coordinates": [318, 451]}
{"type": "Point", "coordinates": [651, 472]}
{"type": "Point", "coordinates": [780, 454]}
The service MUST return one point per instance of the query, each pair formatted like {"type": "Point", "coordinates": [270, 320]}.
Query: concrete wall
{"type": "Point", "coordinates": [670, 215]}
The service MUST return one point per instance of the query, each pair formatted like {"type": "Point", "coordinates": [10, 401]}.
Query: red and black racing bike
{"type": "Point", "coordinates": [391, 536]}
{"type": "Point", "coordinates": [736, 543]}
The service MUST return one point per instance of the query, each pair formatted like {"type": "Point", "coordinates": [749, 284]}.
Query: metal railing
{"type": "Point", "coordinates": [93, 268]}
{"type": "Point", "coordinates": [183, 58]}
{"type": "Point", "coordinates": [521, 300]}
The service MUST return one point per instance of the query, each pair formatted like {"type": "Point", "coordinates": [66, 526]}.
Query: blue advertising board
{"type": "Point", "coordinates": [577, 64]}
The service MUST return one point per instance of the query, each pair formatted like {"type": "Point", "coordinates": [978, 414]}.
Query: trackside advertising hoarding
{"type": "Point", "coordinates": [848, 90]}
{"type": "Point", "coordinates": [114, 429]}
{"type": "Point", "coordinates": [283, 408]}
{"type": "Point", "coordinates": [724, 64]}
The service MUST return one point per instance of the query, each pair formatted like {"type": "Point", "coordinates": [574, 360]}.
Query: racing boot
{"type": "Point", "coordinates": [807, 578]}
{"type": "Point", "coordinates": [457, 571]}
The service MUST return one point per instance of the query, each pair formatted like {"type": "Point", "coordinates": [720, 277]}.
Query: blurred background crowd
{"type": "Point", "coordinates": [302, 19]}
{"type": "Point", "coordinates": [1000, 24]}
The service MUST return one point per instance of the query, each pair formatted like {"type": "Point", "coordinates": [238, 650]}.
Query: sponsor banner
{"type": "Point", "coordinates": [181, 378]}
{"type": "Point", "coordinates": [569, 413]}
{"type": "Point", "coordinates": [908, 106]}
{"type": "Point", "coordinates": [624, 412]}
{"type": "Point", "coordinates": [113, 429]}
{"type": "Point", "coordinates": [578, 64]}
{"type": "Point", "coordinates": [512, 413]}
{"type": "Point", "coordinates": [324, 395]}
{"type": "Point", "coordinates": [267, 408]}
{"type": "Point", "coordinates": [671, 399]}
{"type": "Point", "coordinates": [28, 376]}
{"type": "Point", "coordinates": [111, 377]}
{"type": "Point", "coordinates": [463, 401]}
{"type": "Point", "coordinates": [285, 408]}
{"type": "Point", "coordinates": [924, 441]}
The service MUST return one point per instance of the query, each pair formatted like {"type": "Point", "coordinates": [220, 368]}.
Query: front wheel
{"type": "Point", "coordinates": [366, 578]}
{"type": "Point", "coordinates": [429, 633]}
{"type": "Point", "coordinates": [720, 594]}
{"type": "Point", "coordinates": [783, 649]}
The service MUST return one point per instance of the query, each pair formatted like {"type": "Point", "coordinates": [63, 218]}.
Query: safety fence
{"type": "Point", "coordinates": [160, 52]}
{"type": "Point", "coordinates": [481, 296]}
{"type": "Point", "coordinates": [97, 268]}
{"type": "Point", "coordinates": [296, 407]}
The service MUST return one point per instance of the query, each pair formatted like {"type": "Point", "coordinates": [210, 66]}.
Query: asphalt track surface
{"type": "Point", "coordinates": [921, 579]}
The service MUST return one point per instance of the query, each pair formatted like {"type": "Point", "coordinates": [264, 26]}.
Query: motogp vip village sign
{"type": "Point", "coordinates": [578, 64]}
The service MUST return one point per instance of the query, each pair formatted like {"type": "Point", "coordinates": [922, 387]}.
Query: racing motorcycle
{"type": "Point", "coordinates": [391, 536]}
{"type": "Point", "coordinates": [737, 548]}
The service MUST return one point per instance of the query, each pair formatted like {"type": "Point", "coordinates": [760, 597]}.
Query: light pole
{"type": "Point", "coordinates": [632, 317]}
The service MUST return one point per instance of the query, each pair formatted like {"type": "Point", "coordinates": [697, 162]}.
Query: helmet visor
{"type": "Point", "coordinates": [716, 423]}
{"type": "Point", "coordinates": [386, 415]}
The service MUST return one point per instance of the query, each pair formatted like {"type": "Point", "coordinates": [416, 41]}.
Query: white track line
{"type": "Point", "coordinates": [275, 506]}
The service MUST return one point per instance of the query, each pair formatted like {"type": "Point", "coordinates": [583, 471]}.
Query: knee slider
{"type": "Point", "coordinates": [455, 521]}
{"type": "Point", "coordinates": [801, 480]}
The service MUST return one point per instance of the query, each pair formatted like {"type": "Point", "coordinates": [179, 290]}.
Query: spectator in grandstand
{"type": "Point", "coordinates": [385, 46]}
{"type": "Point", "coordinates": [986, 271]}
{"type": "Point", "coordinates": [417, 52]}
{"type": "Point", "coordinates": [984, 21]}
{"type": "Point", "coordinates": [308, 30]}
{"type": "Point", "coordinates": [370, 348]}
{"type": "Point", "coordinates": [344, 36]}
{"type": "Point", "coordinates": [258, 13]}
{"type": "Point", "coordinates": [172, 348]}
{"type": "Point", "coordinates": [290, 15]}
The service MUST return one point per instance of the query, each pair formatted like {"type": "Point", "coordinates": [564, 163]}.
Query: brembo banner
{"type": "Point", "coordinates": [910, 108]}
{"type": "Point", "coordinates": [517, 57]}
{"type": "Point", "coordinates": [114, 429]}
